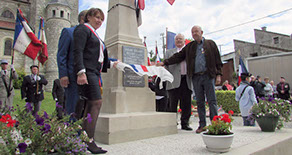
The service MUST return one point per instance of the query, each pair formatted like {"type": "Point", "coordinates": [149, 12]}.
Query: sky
{"type": "Point", "coordinates": [214, 16]}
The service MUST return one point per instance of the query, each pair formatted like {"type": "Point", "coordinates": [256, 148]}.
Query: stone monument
{"type": "Point", "coordinates": [128, 110]}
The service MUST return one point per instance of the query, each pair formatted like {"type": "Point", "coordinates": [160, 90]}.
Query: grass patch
{"type": "Point", "coordinates": [48, 104]}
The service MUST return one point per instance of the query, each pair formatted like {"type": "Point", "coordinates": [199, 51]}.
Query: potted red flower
{"type": "Point", "coordinates": [218, 137]}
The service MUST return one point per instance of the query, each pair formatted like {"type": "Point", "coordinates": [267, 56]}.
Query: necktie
{"type": "Point", "coordinates": [4, 72]}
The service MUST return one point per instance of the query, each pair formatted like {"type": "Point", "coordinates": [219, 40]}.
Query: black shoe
{"type": "Point", "coordinates": [186, 127]}
{"type": "Point", "coordinates": [200, 129]}
{"type": "Point", "coordinates": [94, 149]}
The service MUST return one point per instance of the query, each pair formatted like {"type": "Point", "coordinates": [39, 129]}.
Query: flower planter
{"type": "Point", "coordinates": [267, 123]}
{"type": "Point", "coordinates": [217, 143]}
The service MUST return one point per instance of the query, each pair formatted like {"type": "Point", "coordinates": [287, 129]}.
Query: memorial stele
{"type": "Point", "coordinates": [128, 110]}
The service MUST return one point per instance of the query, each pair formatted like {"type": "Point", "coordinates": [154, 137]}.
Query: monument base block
{"type": "Point", "coordinates": [124, 127]}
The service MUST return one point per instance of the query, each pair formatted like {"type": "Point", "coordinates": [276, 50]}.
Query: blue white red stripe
{"type": "Point", "coordinates": [43, 56]}
{"type": "Point", "coordinates": [25, 40]}
{"type": "Point", "coordinates": [139, 68]}
{"type": "Point", "coordinates": [241, 69]}
{"type": "Point", "coordinates": [157, 55]}
{"type": "Point", "coordinates": [148, 70]}
{"type": "Point", "coordinates": [101, 44]}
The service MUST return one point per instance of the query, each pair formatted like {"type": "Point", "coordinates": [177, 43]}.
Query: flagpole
{"type": "Point", "coordinates": [37, 89]}
{"type": "Point", "coordinates": [166, 41]}
{"type": "Point", "coordinates": [11, 70]}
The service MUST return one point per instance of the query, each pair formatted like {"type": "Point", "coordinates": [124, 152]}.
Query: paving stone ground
{"type": "Point", "coordinates": [188, 142]}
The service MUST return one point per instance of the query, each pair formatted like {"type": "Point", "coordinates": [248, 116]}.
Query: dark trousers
{"type": "Point", "coordinates": [72, 96]}
{"type": "Point", "coordinates": [247, 122]}
{"type": "Point", "coordinates": [37, 106]}
{"type": "Point", "coordinates": [161, 104]}
{"type": "Point", "coordinates": [183, 95]}
{"type": "Point", "coordinates": [204, 85]}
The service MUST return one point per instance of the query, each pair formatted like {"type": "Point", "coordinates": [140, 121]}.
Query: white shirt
{"type": "Point", "coordinates": [183, 64]}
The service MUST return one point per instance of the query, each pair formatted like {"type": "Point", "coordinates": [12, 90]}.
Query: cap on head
{"type": "Point", "coordinates": [246, 74]}
{"type": "Point", "coordinates": [282, 77]}
{"type": "Point", "coordinates": [3, 61]}
{"type": "Point", "coordinates": [34, 66]}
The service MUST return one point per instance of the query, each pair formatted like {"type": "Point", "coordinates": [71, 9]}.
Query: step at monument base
{"type": "Point", "coordinates": [118, 128]}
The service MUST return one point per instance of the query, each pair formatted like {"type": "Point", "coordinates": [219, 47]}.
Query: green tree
{"type": "Point", "coordinates": [21, 74]}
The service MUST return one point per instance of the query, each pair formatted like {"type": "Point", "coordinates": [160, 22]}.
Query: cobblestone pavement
{"type": "Point", "coordinates": [190, 143]}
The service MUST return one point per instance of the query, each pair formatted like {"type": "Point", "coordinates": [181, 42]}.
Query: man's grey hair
{"type": "Point", "coordinates": [198, 27]}
{"type": "Point", "coordinates": [179, 34]}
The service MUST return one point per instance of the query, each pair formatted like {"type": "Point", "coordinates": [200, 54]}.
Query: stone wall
{"type": "Point", "coordinates": [267, 38]}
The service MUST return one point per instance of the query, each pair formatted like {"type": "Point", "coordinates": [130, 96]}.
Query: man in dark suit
{"type": "Point", "coordinates": [203, 66]}
{"type": "Point", "coordinates": [180, 89]}
{"type": "Point", "coordinates": [58, 95]}
{"type": "Point", "coordinates": [32, 88]}
{"type": "Point", "coordinates": [283, 89]}
{"type": "Point", "coordinates": [65, 60]}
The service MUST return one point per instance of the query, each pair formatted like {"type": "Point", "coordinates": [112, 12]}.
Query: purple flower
{"type": "Point", "coordinates": [66, 123]}
{"type": "Point", "coordinates": [46, 128]}
{"type": "Point", "coordinates": [89, 119]}
{"type": "Point", "coordinates": [39, 120]}
{"type": "Point", "coordinates": [22, 147]}
{"type": "Point", "coordinates": [270, 99]}
{"type": "Point", "coordinates": [58, 106]}
{"type": "Point", "coordinates": [28, 107]}
{"type": "Point", "coordinates": [46, 115]}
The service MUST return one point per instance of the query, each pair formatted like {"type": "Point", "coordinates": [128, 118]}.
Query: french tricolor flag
{"type": "Point", "coordinates": [43, 56]}
{"type": "Point", "coordinates": [25, 40]}
{"type": "Point", "coordinates": [157, 55]}
{"type": "Point", "coordinates": [141, 70]}
{"type": "Point", "coordinates": [241, 69]}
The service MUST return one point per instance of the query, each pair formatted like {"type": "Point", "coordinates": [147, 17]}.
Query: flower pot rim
{"type": "Point", "coordinates": [205, 134]}
{"type": "Point", "coordinates": [269, 116]}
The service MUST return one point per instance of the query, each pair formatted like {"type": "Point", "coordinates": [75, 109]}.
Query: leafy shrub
{"type": "Point", "coordinates": [194, 102]}
{"type": "Point", "coordinates": [226, 99]}
{"type": "Point", "coordinates": [21, 74]}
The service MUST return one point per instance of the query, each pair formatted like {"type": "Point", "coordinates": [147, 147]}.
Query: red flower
{"type": "Point", "coordinates": [7, 119]}
{"type": "Point", "coordinates": [179, 110]}
{"type": "Point", "coordinates": [226, 118]}
{"type": "Point", "coordinates": [11, 123]}
{"type": "Point", "coordinates": [4, 118]}
{"type": "Point", "coordinates": [230, 112]}
{"type": "Point", "coordinates": [215, 118]}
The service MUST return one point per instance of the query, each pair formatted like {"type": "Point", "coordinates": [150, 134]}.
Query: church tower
{"type": "Point", "coordinates": [58, 16]}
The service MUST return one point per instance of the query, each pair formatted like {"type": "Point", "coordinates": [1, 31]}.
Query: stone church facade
{"type": "Point", "coordinates": [57, 14]}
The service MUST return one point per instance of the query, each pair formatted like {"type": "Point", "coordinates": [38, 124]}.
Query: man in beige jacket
{"type": "Point", "coordinates": [6, 86]}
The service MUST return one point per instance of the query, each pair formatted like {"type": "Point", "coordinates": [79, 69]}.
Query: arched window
{"type": "Point", "coordinates": [68, 16]}
{"type": "Point", "coordinates": [54, 13]}
{"type": "Point", "coordinates": [8, 47]}
{"type": "Point", "coordinates": [62, 14]}
{"type": "Point", "coordinates": [7, 14]}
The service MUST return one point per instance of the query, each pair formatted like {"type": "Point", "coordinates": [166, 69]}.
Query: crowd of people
{"type": "Point", "coordinates": [265, 88]}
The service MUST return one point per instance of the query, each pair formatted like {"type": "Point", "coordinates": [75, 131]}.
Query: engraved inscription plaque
{"type": "Point", "coordinates": [133, 55]}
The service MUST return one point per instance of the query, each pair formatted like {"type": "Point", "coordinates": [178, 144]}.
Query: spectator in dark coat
{"type": "Point", "coordinates": [283, 89]}
{"type": "Point", "coordinates": [58, 95]}
{"type": "Point", "coordinates": [32, 88]}
{"type": "Point", "coordinates": [161, 93]}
